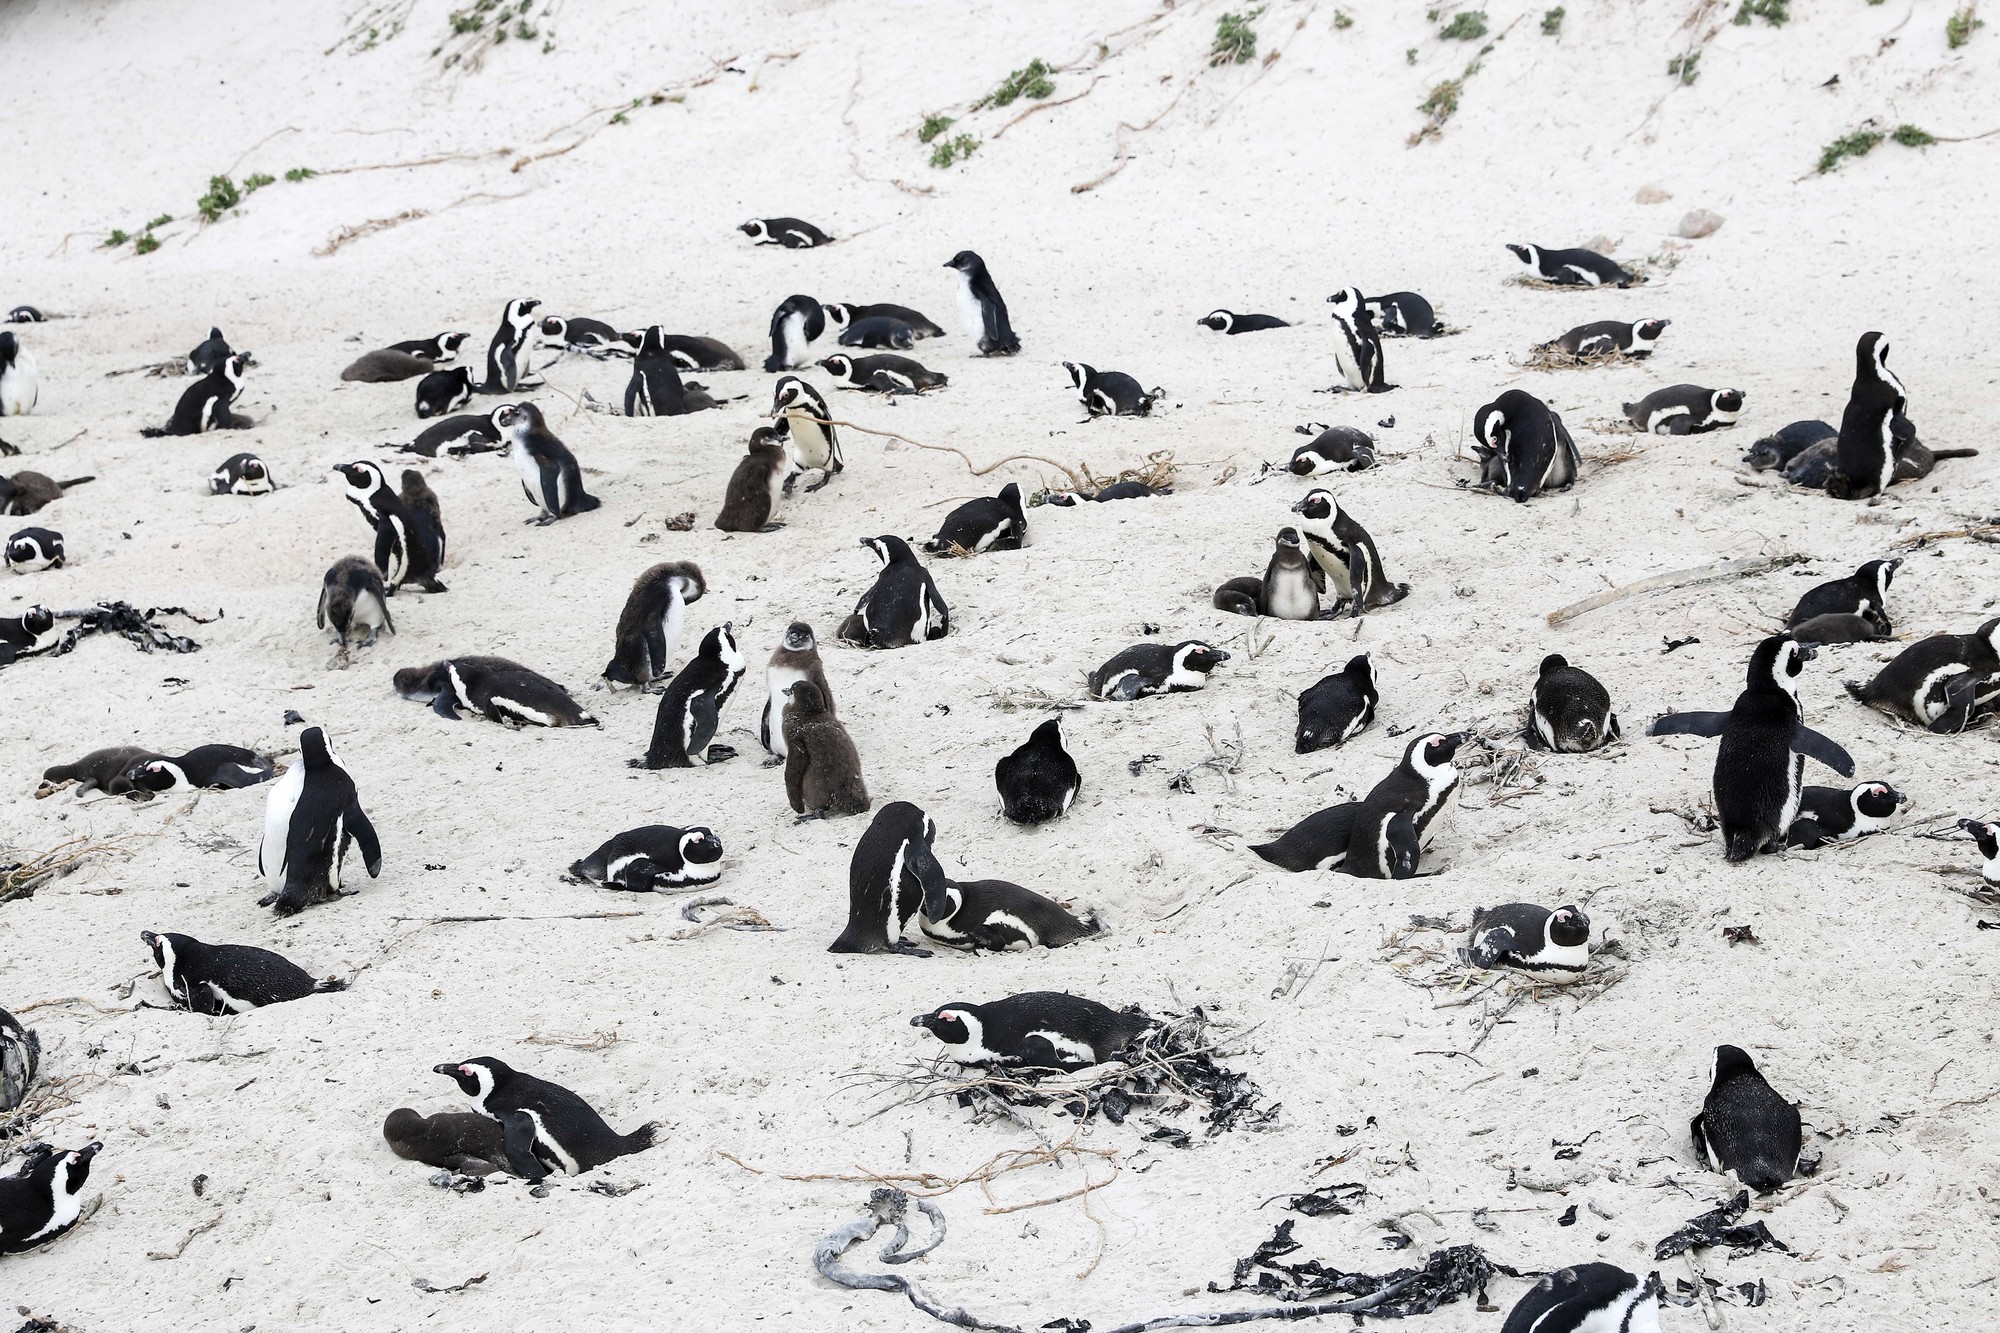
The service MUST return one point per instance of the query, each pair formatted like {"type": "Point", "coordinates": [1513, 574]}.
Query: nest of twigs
{"type": "Point", "coordinates": [20, 879]}
{"type": "Point", "coordinates": [1551, 357]}
{"type": "Point", "coordinates": [1157, 473]}
{"type": "Point", "coordinates": [45, 1097]}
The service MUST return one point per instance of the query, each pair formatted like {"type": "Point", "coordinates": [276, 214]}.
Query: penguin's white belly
{"type": "Point", "coordinates": [792, 335]}
{"type": "Point", "coordinates": [531, 475]}
{"type": "Point", "coordinates": [1293, 598]}
{"type": "Point", "coordinates": [970, 313]}
{"type": "Point", "coordinates": [1347, 361]}
{"type": "Point", "coordinates": [278, 809]}
{"type": "Point", "coordinates": [19, 386]}
{"type": "Point", "coordinates": [671, 624]}
{"type": "Point", "coordinates": [810, 447]}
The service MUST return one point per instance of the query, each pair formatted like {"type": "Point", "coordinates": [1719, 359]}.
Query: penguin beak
{"type": "Point", "coordinates": [1299, 508]}
{"type": "Point", "coordinates": [449, 1071]}
{"type": "Point", "coordinates": [1807, 652]}
{"type": "Point", "coordinates": [919, 1020]}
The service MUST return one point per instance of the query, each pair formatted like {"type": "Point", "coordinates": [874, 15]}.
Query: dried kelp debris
{"type": "Point", "coordinates": [1448, 1275]}
{"type": "Point", "coordinates": [1719, 1226]}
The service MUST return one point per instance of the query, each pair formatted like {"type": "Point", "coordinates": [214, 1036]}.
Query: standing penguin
{"type": "Point", "coordinates": [1357, 348]}
{"type": "Point", "coordinates": [1109, 393]}
{"type": "Point", "coordinates": [1337, 707]}
{"type": "Point", "coordinates": [550, 477]}
{"type": "Point", "coordinates": [757, 487]}
{"type": "Point", "coordinates": [796, 322]}
{"type": "Point", "coordinates": [980, 307]}
{"type": "Point", "coordinates": [1346, 555]}
{"type": "Point", "coordinates": [1985, 836]}
{"type": "Point", "coordinates": [568, 1135]}
{"type": "Point", "coordinates": [892, 874]}
{"type": "Point", "coordinates": [1876, 415]}
{"type": "Point", "coordinates": [902, 607]}
{"type": "Point", "coordinates": [20, 1059]}
{"type": "Point", "coordinates": [1289, 589]}
{"type": "Point", "coordinates": [1587, 1298]}
{"type": "Point", "coordinates": [1524, 448]}
{"type": "Point", "coordinates": [810, 433]}
{"type": "Point", "coordinates": [20, 382]}
{"type": "Point", "coordinates": [503, 353]}
{"type": "Point", "coordinates": [222, 979]}
{"type": "Point", "coordinates": [1865, 590]}
{"type": "Point", "coordinates": [1568, 710]}
{"type": "Point", "coordinates": [204, 405]}
{"type": "Point", "coordinates": [43, 1197]}
{"type": "Point", "coordinates": [1039, 780]}
{"type": "Point", "coordinates": [689, 713]}
{"type": "Point", "coordinates": [409, 541]}
{"type": "Point", "coordinates": [1533, 941]}
{"type": "Point", "coordinates": [822, 767]}
{"type": "Point", "coordinates": [998, 523]}
{"type": "Point", "coordinates": [1745, 1126]}
{"type": "Point", "coordinates": [310, 817]}
{"type": "Point", "coordinates": [655, 389]}
{"type": "Point", "coordinates": [1417, 790]}
{"type": "Point", "coordinates": [796, 658]}
{"type": "Point", "coordinates": [353, 601]}
{"type": "Point", "coordinates": [1765, 744]}
{"type": "Point", "coordinates": [1571, 268]}
{"type": "Point", "coordinates": [649, 628]}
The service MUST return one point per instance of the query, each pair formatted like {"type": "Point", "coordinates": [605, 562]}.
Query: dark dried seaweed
{"type": "Point", "coordinates": [1719, 1226]}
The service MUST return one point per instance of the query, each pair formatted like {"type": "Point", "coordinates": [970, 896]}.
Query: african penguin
{"type": "Point", "coordinates": [792, 233]}
{"type": "Point", "coordinates": [1357, 348]}
{"type": "Point", "coordinates": [1038, 780]}
{"type": "Point", "coordinates": [881, 374]}
{"type": "Point", "coordinates": [653, 859]}
{"type": "Point", "coordinates": [568, 1135]}
{"type": "Point", "coordinates": [33, 549]}
{"type": "Point", "coordinates": [996, 523]}
{"type": "Point", "coordinates": [649, 628]}
{"type": "Point", "coordinates": [1865, 454]}
{"type": "Point", "coordinates": [1288, 590]}
{"type": "Point", "coordinates": [1610, 337]}
{"type": "Point", "coordinates": [1866, 589]}
{"type": "Point", "coordinates": [655, 389]}
{"type": "Point", "coordinates": [684, 728]}
{"type": "Point", "coordinates": [100, 770]}
{"type": "Point", "coordinates": [810, 432]}
{"type": "Point", "coordinates": [310, 817]}
{"type": "Point", "coordinates": [20, 1060]}
{"type": "Point", "coordinates": [1587, 1298]}
{"type": "Point", "coordinates": [891, 876]}
{"type": "Point", "coordinates": [409, 541]}
{"type": "Point", "coordinates": [758, 485]}
{"type": "Point", "coordinates": [353, 600]}
{"type": "Point", "coordinates": [20, 381]}
{"type": "Point", "coordinates": [1337, 707]}
{"type": "Point", "coordinates": [550, 477]}
{"type": "Point", "coordinates": [1928, 682]}
{"type": "Point", "coordinates": [1842, 627]}
{"type": "Point", "coordinates": [592, 337]}
{"type": "Point", "coordinates": [1524, 448]}
{"type": "Point", "coordinates": [223, 979]}
{"type": "Point", "coordinates": [33, 631]}
{"type": "Point", "coordinates": [879, 331]}
{"type": "Point", "coordinates": [504, 352]}
{"type": "Point", "coordinates": [204, 405]}
{"type": "Point", "coordinates": [493, 688]}
{"type": "Point", "coordinates": [1788, 443]}
{"type": "Point", "coordinates": [1986, 835]}
{"type": "Point", "coordinates": [1332, 449]}
{"type": "Point", "coordinates": [438, 351]}
{"type": "Point", "coordinates": [1403, 315]}
{"type": "Point", "coordinates": [1685, 409]}
{"type": "Point", "coordinates": [214, 767]}
{"type": "Point", "coordinates": [693, 353]}
{"type": "Point", "coordinates": [1040, 1029]}
{"type": "Point", "coordinates": [1812, 467]}
{"type": "Point", "coordinates": [1746, 1126]}
{"type": "Point", "coordinates": [980, 307]}
{"type": "Point", "coordinates": [209, 354]}
{"type": "Point", "coordinates": [1345, 555]}
{"type": "Point", "coordinates": [43, 1196]}
{"type": "Point", "coordinates": [1109, 393]}
{"type": "Point", "coordinates": [467, 433]}
{"type": "Point", "coordinates": [386, 365]}
{"type": "Point", "coordinates": [1156, 668]}
{"type": "Point", "coordinates": [796, 322]}
{"type": "Point", "coordinates": [1317, 842]}
{"type": "Point", "coordinates": [1533, 941]}
{"type": "Point", "coordinates": [1418, 790]}
{"type": "Point", "coordinates": [796, 658]}
{"type": "Point", "coordinates": [1572, 268]}
{"type": "Point", "coordinates": [845, 314]}
{"type": "Point", "coordinates": [442, 392]}
{"type": "Point", "coordinates": [1568, 710]}
{"type": "Point", "coordinates": [30, 492]}
{"type": "Point", "coordinates": [902, 607]}
{"type": "Point", "coordinates": [1228, 321]}
{"type": "Point", "coordinates": [998, 916]}
{"type": "Point", "coordinates": [822, 767]}
{"type": "Point", "coordinates": [25, 314]}
{"type": "Point", "coordinates": [1117, 490]}
{"type": "Point", "coordinates": [242, 474]}
{"type": "Point", "coordinates": [1836, 814]}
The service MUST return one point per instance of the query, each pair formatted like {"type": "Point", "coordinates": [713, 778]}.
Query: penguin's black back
{"type": "Point", "coordinates": [250, 974]}
{"type": "Point", "coordinates": [1039, 780]}
{"type": "Point", "coordinates": [1319, 838]}
{"type": "Point", "coordinates": [1332, 704]}
{"type": "Point", "coordinates": [1564, 1300]}
{"type": "Point", "coordinates": [569, 1119]}
{"type": "Point", "coordinates": [1009, 1022]}
{"type": "Point", "coordinates": [1745, 1126]}
{"type": "Point", "coordinates": [1754, 768]}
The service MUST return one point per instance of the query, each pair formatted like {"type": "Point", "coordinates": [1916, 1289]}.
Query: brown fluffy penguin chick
{"type": "Point", "coordinates": [758, 484]}
{"type": "Point", "coordinates": [386, 366]}
{"type": "Point", "coordinates": [822, 768]}
{"type": "Point", "coordinates": [461, 1141]}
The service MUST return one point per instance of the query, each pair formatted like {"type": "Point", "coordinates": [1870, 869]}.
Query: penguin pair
{"type": "Point", "coordinates": [311, 816]}
{"type": "Point", "coordinates": [656, 388]}
{"type": "Point", "coordinates": [442, 392]}
{"type": "Point", "coordinates": [758, 486]}
{"type": "Point", "coordinates": [409, 524]}
{"type": "Point", "coordinates": [1038, 781]}
{"type": "Point", "coordinates": [224, 979]}
{"type": "Point", "coordinates": [504, 352]}
{"type": "Point", "coordinates": [650, 625]}
{"type": "Point", "coordinates": [1289, 589]}
{"type": "Point", "coordinates": [1332, 449]}
{"type": "Point", "coordinates": [241, 474]}
{"type": "Point", "coordinates": [902, 607]}
{"type": "Point", "coordinates": [1572, 268]}
{"type": "Point", "coordinates": [204, 405]}
{"type": "Point", "coordinates": [548, 1127]}
{"type": "Point", "coordinates": [1357, 347]}
{"type": "Point", "coordinates": [1764, 746]}
{"type": "Point", "coordinates": [881, 374]}
{"type": "Point", "coordinates": [1943, 683]}
{"type": "Point", "coordinates": [1110, 393]}
{"type": "Point", "coordinates": [1865, 592]}
{"type": "Point", "coordinates": [550, 476]}
{"type": "Point", "coordinates": [1156, 668]}
{"type": "Point", "coordinates": [981, 309]}
{"type": "Point", "coordinates": [27, 493]}
{"type": "Point", "coordinates": [1685, 409]}
{"type": "Point", "coordinates": [822, 767]}
{"type": "Point", "coordinates": [42, 1196]}
{"type": "Point", "coordinates": [1344, 556]}
{"type": "Point", "coordinates": [792, 233]}
{"type": "Point", "coordinates": [1337, 707]}
{"type": "Point", "coordinates": [1606, 338]}
{"type": "Point", "coordinates": [1382, 835]}
{"type": "Point", "coordinates": [1228, 321]}
{"type": "Point", "coordinates": [34, 549]}
{"type": "Point", "coordinates": [794, 660]}
{"type": "Point", "coordinates": [1037, 1030]}
{"type": "Point", "coordinates": [996, 523]}
{"type": "Point", "coordinates": [1545, 946]}
{"type": "Point", "coordinates": [1523, 447]}
{"type": "Point", "coordinates": [684, 727]}
{"type": "Point", "coordinates": [1569, 711]}
{"type": "Point", "coordinates": [653, 859]}
{"type": "Point", "coordinates": [809, 430]}
{"type": "Point", "coordinates": [1836, 814]}
{"type": "Point", "coordinates": [493, 688]}
{"type": "Point", "coordinates": [1788, 443]}
{"type": "Point", "coordinates": [204, 768]}
{"type": "Point", "coordinates": [353, 600]}
{"type": "Point", "coordinates": [20, 379]}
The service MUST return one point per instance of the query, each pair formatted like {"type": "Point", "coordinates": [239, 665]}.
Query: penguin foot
{"type": "Point", "coordinates": [909, 949]}
{"type": "Point", "coordinates": [541, 522]}
{"type": "Point", "coordinates": [821, 484]}
{"type": "Point", "coordinates": [770, 527]}
{"type": "Point", "coordinates": [719, 753]}
{"type": "Point", "coordinates": [772, 761]}
{"type": "Point", "coordinates": [267, 899]}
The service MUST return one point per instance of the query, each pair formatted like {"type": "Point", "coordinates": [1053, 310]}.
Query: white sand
{"type": "Point", "coordinates": [1868, 999]}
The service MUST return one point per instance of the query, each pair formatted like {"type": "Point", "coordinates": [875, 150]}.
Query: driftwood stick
{"type": "Point", "coordinates": [181, 1248]}
{"type": "Point", "coordinates": [1044, 106]}
{"type": "Point", "coordinates": [1679, 578]}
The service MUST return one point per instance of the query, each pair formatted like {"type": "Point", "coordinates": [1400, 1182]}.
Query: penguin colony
{"type": "Point", "coordinates": [904, 898]}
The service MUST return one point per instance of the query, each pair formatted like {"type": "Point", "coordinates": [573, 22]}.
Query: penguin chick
{"type": "Point", "coordinates": [822, 767]}
{"type": "Point", "coordinates": [353, 601]}
{"type": "Point", "coordinates": [471, 1145]}
{"type": "Point", "coordinates": [757, 487]}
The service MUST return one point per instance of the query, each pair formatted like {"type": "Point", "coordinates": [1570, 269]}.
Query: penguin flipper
{"type": "Point", "coordinates": [704, 716]}
{"type": "Point", "coordinates": [1697, 1130]}
{"type": "Point", "coordinates": [363, 833]}
{"type": "Point", "coordinates": [1490, 946]}
{"type": "Point", "coordinates": [1806, 833]}
{"type": "Point", "coordinates": [1812, 745]}
{"type": "Point", "coordinates": [1688, 724]}
{"type": "Point", "coordinates": [519, 1130]}
{"type": "Point", "coordinates": [445, 706]}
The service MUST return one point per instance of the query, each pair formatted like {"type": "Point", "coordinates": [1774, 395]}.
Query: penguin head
{"type": "Point", "coordinates": [838, 313]}
{"type": "Point", "coordinates": [153, 775]}
{"type": "Point", "coordinates": [889, 549]}
{"type": "Point", "coordinates": [1219, 320]}
{"type": "Point", "coordinates": [251, 468]}
{"type": "Point", "coordinates": [362, 477]}
{"type": "Point", "coordinates": [966, 262]}
{"type": "Point", "coordinates": [449, 343]}
{"type": "Point", "coordinates": [1777, 662]}
{"type": "Point", "coordinates": [1986, 834]}
{"type": "Point", "coordinates": [554, 326]}
{"type": "Point", "coordinates": [519, 310]}
{"type": "Point", "coordinates": [805, 697]}
{"type": "Point", "coordinates": [1319, 506]}
{"type": "Point", "coordinates": [1877, 574]}
{"type": "Point", "coordinates": [1553, 662]}
{"type": "Point", "coordinates": [1050, 733]}
{"type": "Point", "coordinates": [73, 1169]}
{"type": "Point", "coordinates": [314, 751]}
{"type": "Point", "coordinates": [1568, 927]}
{"type": "Point", "coordinates": [1361, 669]}
{"type": "Point", "coordinates": [1649, 330]}
{"type": "Point", "coordinates": [233, 368]}
{"type": "Point", "coordinates": [1726, 400]}
{"type": "Point", "coordinates": [1731, 1060]}
{"type": "Point", "coordinates": [950, 1025]}
{"type": "Point", "coordinates": [162, 949]}
{"type": "Point", "coordinates": [1078, 372]}
{"type": "Point", "coordinates": [1194, 655]}
{"type": "Point", "coordinates": [1876, 800]}
{"type": "Point", "coordinates": [38, 620]}
{"type": "Point", "coordinates": [700, 846]}
{"type": "Point", "coordinates": [1061, 499]}
{"type": "Point", "coordinates": [1346, 303]}
{"type": "Point", "coordinates": [794, 392]}
{"type": "Point", "coordinates": [840, 365]}
{"type": "Point", "coordinates": [1289, 539]}
{"type": "Point", "coordinates": [754, 229]}
{"type": "Point", "coordinates": [1435, 752]}
{"type": "Point", "coordinates": [799, 637]}
{"type": "Point", "coordinates": [509, 417]}
{"type": "Point", "coordinates": [1524, 253]}
{"type": "Point", "coordinates": [769, 437]}
{"type": "Point", "coordinates": [479, 1077]}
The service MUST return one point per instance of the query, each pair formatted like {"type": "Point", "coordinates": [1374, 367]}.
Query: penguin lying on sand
{"type": "Point", "coordinates": [20, 1059]}
{"type": "Point", "coordinates": [1533, 941]}
{"type": "Point", "coordinates": [1685, 409]}
{"type": "Point", "coordinates": [27, 493]}
{"type": "Point", "coordinates": [387, 365]}
{"type": "Point", "coordinates": [1572, 268]}
{"type": "Point", "coordinates": [1337, 707]}
{"type": "Point", "coordinates": [653, 859]}
{"type": "Point", "coordinates": [1865, 590]}
{"type": "Point", "coordinates": [241, 474]}
{"type": "Point", "coordinates": [1607, 338]}
{"type": "Point", "coordinates": [1568, 710]}
{"type": "Point", "coordinates": [33, 631]}
{"type": "Point", "coordinates": [222, 979]}
{"type": "Point", "coordinates": [1788, 443]}
{"type": "Point", "coordinates": [845, 315]}
{"type": "Point", "coordinates": [1943, 683]}
{"type": "Point", "coordinates": [1117, 490]}
{"type": "Point", "coordinates": [1228, 321]}
{"type": "Point", "coordinates": [999, 916]}
{"type": "Point", "coordinates": [1332, 449]}
{"type": "Point", "coordinates": [466, 433]}
{"type": "Point", "coordinates": [902, 607]}
{"type": "Point", "coordinates": [42, 1197]}
{"type": "Point", "coordinates": [879, 331]}
{"type": "Point", "coordinates": [881, 374]}
{"type": "Point", "coordinates": [792, 233]}
{"type": "Point", "coordinates": [568, 1135]}
{"type": "Point", "coordinates": [1110, 393]}
{"type": "Point", "coordinates": [1523, 447]}
{"type": "Point", "coordinates": [1588, 1298]}
{"type": "Point", "coordinates": [1835, 814]}
{"type": "Point", "coordinates": [493, 688]}
{"type": "Point", "coordinates": [996, 523]}
{"type": "Point", "coordinates": [1156, 668]}
{"type": "Point", "coordinates": [214, 767]}
{"type": "Point", "coordinates": [461, 1141]}
{"type": "Point", "coordinates": [1039, 780]}
{"type": "Point", "coordinates": [1745, 1126]}
{"type": "Point", "coordinates": [1039, 1030]}
{"type": "Point", "coordinates": [1403, 315]}
{"type": "Point", "coordinates": [34, 549]}
{"type": "Point", "coordinates": [100, 770]}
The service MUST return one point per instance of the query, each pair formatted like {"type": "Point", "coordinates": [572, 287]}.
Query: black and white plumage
{"type": "Point", "coordinates": [999, 916]}
{"type": "Point", "coordinates": [1289, 589]}
{"type": "Point", "coordinates": [843, 315]}
{"type": "Point", "coordinates": [809, 430]}
{"type": "Point", "coordinates": [24, 314]}
{"type": "Point", "coordinates": [223, 979]}
{"type": "Point", "coordinates": [792, 233]}
{"type": "Point", "coordinates": [1117, 490]}
{"type": "Point", "coordinates": [242, 474]}
{"type": "Point", "coordinates": [353, 600]}
{"type": "Point", "coordinates": [579, 333]}
{"type": "Point", "coordinates": [1357, 347]}
{"type": "Point", "coordinates": [651, 623]}
{"type": "Point", "coordinates": [1986, 836]}
{"type": "Point", "coordinates": [902, 607]}
{"type": "Point", "coordinates": [891, 876]}
{"type": "Point", "coordinates": [691, 352]}
{"type": "Point", "coordinates": [653, 859]}
{"type": "Point", "coordinates": [466, 433]}
{"type": "Point", "coordinates": [204, 405]}
{"type": "Point", "coordinates": [442, 392]}
{"type": "Point", "coordinates": [684, 727]}
{"type": "Point", "coordinates": [1523, 447]}
{"type": "Point", "coordinates": [32, 549]}
{"type": "Point", "coordinates": [981, 309]}
{"type": "Point", "coordinates": [409, 537]}
{"type": "Point", "coordinates": [879, 331]}
{"type": "Point", "coordinates": [1332, 449]}
{"type": "Point", "coordinates": [1569, 710]}
{"type": "Point", "coordinates": [33, 631]}
{"type": "Point", "coordinates": [1533, 941]}
{"type": "Point", "coordinates": [210, 767]}
{"type": "Point", "coordinates": [1877, 413]}
{"type": "Point", "coordinates": [1039, 1030]}
{"type": "Point", "coordinates": [1836, 814]}
{"type": "Point", "coordinates": [886, 373]}
{"type": "Point", "coordinates": [1685, 409]}
{"type": "Point", "coordinates": [20, 1060]}
{"type": "Point", "coordinates": [1572, 268]}
{"type": "Point", "coordinates": [1228, 321]}
{"type": "Point", "coordinates": [1746, 1126]}
{"type": "Point", "coordinates": [550, 476]}
{"type": "Point", "coordinates": [1865, 590]}
{"type": "Point", "coordinates": [1109, 393]}
{"type": "Point", "coordinates": [439, 350]}
{"type": "Point", "coordinates": [1777, 450]}
{"type": "Point", "coordinates": [991, 523]}
{"type": "Point", "coordinates": [20, 380]}
{"type": "Point", "coordinates": [1400, 815]}
{"type": "Point", "coordinates": [101, 770]}
{"type": "Point", "coordinates": [209, 353]}
{"type": "Point", "coordinates": [31, 492]}
{"type": "Point", "coordinates": [567, 1135]}
{"type": "Point", "coordinates": [1156, 668]}
{"type": "Point", "coordinates": [1317, 842]}
{"type": "Point", "coordinates": [822, 768]}
{"type": "Point", "coordinates": [504, 353]}
{"type": "Point", "coordinates": [493, 688]}
{"type": "Point", "coordinates": [757, 487]}
{"type": "Point", "coordinates": [795, 659]}
{"type": "Point", "coordinates": [1038, 781]}
{"type": "Point", "coordinates": [1587, 1298]}
{"type": "Point", "coordinates": [1345, 555]}
{"type": "Point", "coordinates": [42, 1196]}
{"type": "Point", "coordinates": [1610, 337]}
{"type": "Point", "coordinates": [655, 389]}
{"type": "Point", "coordinates": [1765, 744]}
{"type": "Point", "coordinates": [1337, 707]}
{"type": "Point", "coordinates": [1940, 683]}
{"type": "Point", "coordinates": [795, 324]}
{"type": "Point", "coordinates": [311, 816]}
{"type": "Point", "coordinates": [1403, 315]}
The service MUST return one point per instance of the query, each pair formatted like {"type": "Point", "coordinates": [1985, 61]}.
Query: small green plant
{"type": "Point", "coordinates": [115, 239]}
{"type": "Point", "coordinates": [1030, 81]}
{"type": "Point", "coordinates": [620, 119]}
{"type": "Point", "coordinates": [462, 23]}
{"type": "Point", "coordinates": [1858, 144]}
{"type": "Point", "coordinates": [1409, 55]}
{"type": "Point", "coordinates": [934, 124]}
{"type": "Point", "coordinates": [1441, 105]}
{"type": "Point", "coordinates": [257, 181]}
{"type": "Point", "coordinates": [1341, 20]}
{"type": "Point", "coordinates": [525, 31]}
{"type": "Point", "coordinates": [146, 244]}
{"type": "Point", "coordinates": [1959, 27]}
{"type": "Point", "coordinates": [221, 197]}
{"type": "Point", "coordinates": [955, 149]}
{"type": "Point", "coordinates": [1686, 68]}
{"type": "Point", "coordinates": [1552, 21]}
{"type": "Point", "coordinates": [1235, 39]}
{"type": "Point", "coordinates": [1911, 137]}
{"type": "Point", "coordinates": [160, 221]}
{"type": "Point", "coordinates": [1467, 25]}
{"type": "Point", "coordinates": [1774, 12]}
{"type": "Point", "coordinates": [297, 174]}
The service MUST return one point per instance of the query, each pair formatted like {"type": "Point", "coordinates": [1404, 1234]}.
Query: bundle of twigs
{"type": "Point", "coordinates": [20, 879]}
